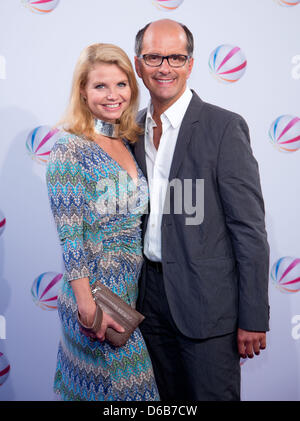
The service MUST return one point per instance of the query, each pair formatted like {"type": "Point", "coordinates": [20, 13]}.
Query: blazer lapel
{"type": "Point", "coordinates": [139, 147]}
{"type": "Point", "coordinates": [185, 134]}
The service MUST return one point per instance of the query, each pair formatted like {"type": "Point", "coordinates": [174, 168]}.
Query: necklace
{"type": "Point", "coordinates": [106, 129]}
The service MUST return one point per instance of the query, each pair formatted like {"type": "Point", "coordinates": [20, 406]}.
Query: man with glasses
{"type": "Point", "coordinates": [204, 286]}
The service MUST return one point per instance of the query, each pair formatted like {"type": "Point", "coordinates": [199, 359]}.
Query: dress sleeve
{"type": "Point", "coordinates": [66, 191]}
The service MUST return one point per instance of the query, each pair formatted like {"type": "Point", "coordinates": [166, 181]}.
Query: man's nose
{"type": "Point", "coordinates": [165, 67]}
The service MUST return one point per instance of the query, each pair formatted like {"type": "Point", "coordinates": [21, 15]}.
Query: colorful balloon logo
{"type": "Point", "coordinates": [41, 6]}
{"type": "Point", "coordinates": [227, 63]}
{"type": "Point", "coordinates": [44, 290]}
{"type": "Point", "coordinates": [167, 5]}
{"type": "Point", "coordinates": [285, 274]}
{"type": "Point", "coordinates": [40, 142]}
{"type": "Point", "coordinates": [4, 368]}
{"type": "Point", "coordinates": [288, 3]}
{"type": "Point", "coordinates": [2, 222]}
{"type": "Point", "coordinates": [285, 133]}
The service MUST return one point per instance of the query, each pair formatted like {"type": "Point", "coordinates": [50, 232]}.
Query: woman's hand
{"type": "Point", "coordinates": [87, 316]}
{"type": "Point", "coordinates": [87, 310]}
{"type": "Point", "coordinates": [108, 321]}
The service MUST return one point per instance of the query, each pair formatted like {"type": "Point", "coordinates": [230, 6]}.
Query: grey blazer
{"type": "Point", "coordinates": [216, 272]}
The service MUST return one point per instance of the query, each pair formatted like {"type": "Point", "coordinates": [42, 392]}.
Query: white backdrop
{"type": "Point", "coordinates": [38, 52]}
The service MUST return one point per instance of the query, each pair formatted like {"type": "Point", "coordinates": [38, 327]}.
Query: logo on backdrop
{"type": "Point", "coordinates": [2, 222]}
{"type": "Point", "coordinates": [2, 67]}
{"type": "Point", "coordinates": [296, 69]}
{"type": "Point", "coordinates": [44, 290]}
{"type": "Point", "coordinates": [288, 3]}
{"type": "Point", "coordinates": [227, 63]}
{"type": "Point", "coordinates": [4, 368]}
{"type": "Point", "coordinates": [41, 6]}
{"type": "Point", "coordinates": [285, 133]}
{"type": "Point", "coordinates": [285, 274]}
{"type": "Point", "coordinates": [167, 5]}
{"type": "Point", "coordinates": [40, 142]}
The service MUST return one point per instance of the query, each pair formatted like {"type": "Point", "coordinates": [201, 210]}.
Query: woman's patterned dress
{"type": "Point", "coordinates": [97, 208]}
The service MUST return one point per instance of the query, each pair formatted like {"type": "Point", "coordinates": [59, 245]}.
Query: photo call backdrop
{"type": "Point", "coordinates": [247, 59]}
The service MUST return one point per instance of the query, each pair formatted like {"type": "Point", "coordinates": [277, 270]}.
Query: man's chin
{"type": "Point", "coordinates": [163, 95]}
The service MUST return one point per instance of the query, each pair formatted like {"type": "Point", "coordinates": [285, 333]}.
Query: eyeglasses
{"type": "Point", "coordinates": [156, 60]}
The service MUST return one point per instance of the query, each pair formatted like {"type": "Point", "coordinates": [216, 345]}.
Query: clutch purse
{"type": "Point", "coordinates": [117, 309]}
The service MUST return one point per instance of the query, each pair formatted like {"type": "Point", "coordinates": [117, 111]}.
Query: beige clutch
{"type": "Point", "coordinates": [117, 309]}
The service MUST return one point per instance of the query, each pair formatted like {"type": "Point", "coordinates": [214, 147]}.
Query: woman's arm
{"type": "Point", "coordinates": [66, 190]}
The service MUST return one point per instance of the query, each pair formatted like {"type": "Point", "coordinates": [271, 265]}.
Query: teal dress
{"type": "Point", "coordinates": [97, 208]}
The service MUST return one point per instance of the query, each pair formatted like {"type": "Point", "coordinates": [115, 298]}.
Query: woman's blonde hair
{"type": "Point", "coordinates": [78, 119]}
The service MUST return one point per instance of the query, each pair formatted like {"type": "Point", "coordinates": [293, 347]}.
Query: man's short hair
{"type": "Point", "coordinates": [140, 36]}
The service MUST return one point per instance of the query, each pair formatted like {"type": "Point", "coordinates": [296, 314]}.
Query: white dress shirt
{"type": "Point", "coordinates": [158, 162]}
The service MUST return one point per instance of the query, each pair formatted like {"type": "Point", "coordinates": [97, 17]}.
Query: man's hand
{"type": "Point", "coordinates": [250, 343]}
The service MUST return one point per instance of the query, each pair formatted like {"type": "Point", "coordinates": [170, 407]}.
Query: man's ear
{"type": "Point", "coordinates": [191, 64]}
{"type": "Point", "coordinates": [137, 66]}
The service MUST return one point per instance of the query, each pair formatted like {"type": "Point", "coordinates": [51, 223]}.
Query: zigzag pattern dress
{"type": "Point", "coordinates": [97, 209]}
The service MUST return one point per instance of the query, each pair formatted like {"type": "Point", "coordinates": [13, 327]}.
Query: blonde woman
{"type": "Point", "coordinates": [97, 196]}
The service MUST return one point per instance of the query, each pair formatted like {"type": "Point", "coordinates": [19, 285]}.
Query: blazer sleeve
{"type": "Point", "coordinates": [66, 191]}
{"type": "Point", "coordinates": [242, 201]}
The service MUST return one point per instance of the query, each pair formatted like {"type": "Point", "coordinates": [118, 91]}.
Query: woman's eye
{"type": "Point", "coordinates": [122, 84]}
{"type": "Point", "coordinates": [99, 86]}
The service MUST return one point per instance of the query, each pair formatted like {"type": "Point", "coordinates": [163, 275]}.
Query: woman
{"type": "Point", "coordinates": [97, 195]}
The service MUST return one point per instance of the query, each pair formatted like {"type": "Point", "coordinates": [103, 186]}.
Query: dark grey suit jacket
{"type": "Point", "coordinates": [215, 273]}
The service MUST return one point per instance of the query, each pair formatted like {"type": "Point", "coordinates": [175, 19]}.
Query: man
{"type": "Point", "coordinates": [205, 279]}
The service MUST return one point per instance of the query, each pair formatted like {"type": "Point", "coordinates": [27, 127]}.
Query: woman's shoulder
{"type": "Point", "coordinates": [67, 142]}
{"type": "Point", "coordinates": [66, 150]}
